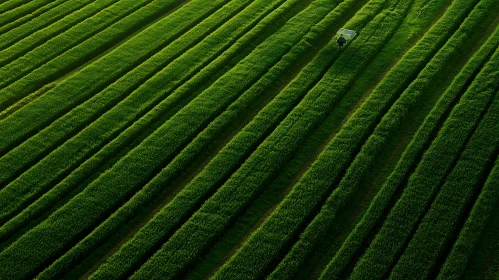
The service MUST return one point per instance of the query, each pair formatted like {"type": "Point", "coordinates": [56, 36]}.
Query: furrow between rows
{"type": "Point", "coordinates": [392, 187]}
{"type": "Point", "coordinates": [126, 100]}
{"type": "Point", "coordinates": [428, 176]}
{"type": "Point", "coordinates": [159, 115]}
{"type": "Point", "coordinates": [24, 12]}
{"type": "Point", "coordinates": [28, 36]}
{"type": "Point", "coordinates": [110, 27]}
{"type": "Point", "coordinates": [147, 155]}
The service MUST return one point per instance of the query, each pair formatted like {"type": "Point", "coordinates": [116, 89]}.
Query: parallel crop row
{"type": "Point", "coordinates": [31, 16]}
{"type": "Point", "coordinates": [432, 170]}
{"type": "Point", "coordinates": [226, 161]}
{"type": "Point", "coordinates": [278, 230]}
{"type": "Point", "coordinates": [23, 64]}
{"type": "Point", "coordinates": [457, 260]}
{"type": "Point", "coordinates": [410, 156]}
{"type": "Point", "coordinates": [23, 9]}
{"type": "Point", "coordinates": [440, 224]}
{"type": "Point", "coordinates": [118, 144]}
{"type": "Point", "coordinates": [128, 110]}
{"type": "Point", "coordinates": [10, 5]}
{"type": "Point", "coordinates": [60, 16]}
{"type": "Point", "coordinates": [86, 210]}
{"type": "Point", "coordinates": [371, 149]}
{"type": "Point", "coordinates": [98, 75]}
{"type": "Point", "coordinates": [56, 60]}
{"type": "Point", "coordinates": [181, 162]}
{"type": "Point", "coordinates": [312, 260]}
{"type": "Point", "coordinates": [249, 180]}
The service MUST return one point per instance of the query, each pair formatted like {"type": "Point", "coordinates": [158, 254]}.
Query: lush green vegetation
{"type": "Point", "coordinates": [172, 139]}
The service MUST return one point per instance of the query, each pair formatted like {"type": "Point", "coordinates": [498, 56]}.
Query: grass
{"type": "Point", "coordinates": [429, 173]}
{"type": "Point", "coordinates": [223, 139]}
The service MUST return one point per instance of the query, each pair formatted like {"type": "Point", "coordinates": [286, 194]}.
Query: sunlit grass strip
{"type": "Point", "coordinates": [37, 31]}
{"type": "Point", "coordinates": [10, 5]}
{"type": "Point", "coordinates": [62, 54]}
{"type": "Point", "coordinates": [99, 74]}
{"type": "Point", "coordinates": [128, 109]}
{"type": "Point", "coordinates": [417, 145]}
{"type": "Point", "coordinates": [362, 163]}
{"type": "Point", "coordinates": [440, 224]}
{"type": "Point", "coordinates": [24, 19]}
{"type": "Point", "coordinates": [23, 64]}
{"type": "Point", "coordinates": [21, 10]}
{"type": "Point", "coordinates": [457, 260]}
{"type": "Point", "coordinates": [58, 232]}
{"type": "Point", "coordinates": [431, 171]}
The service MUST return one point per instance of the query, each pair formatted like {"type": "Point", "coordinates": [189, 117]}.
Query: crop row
{"type": "Point", "coordinates": [271, 150]}
{"type": "Point", "coordinates": [33, 7]}
{"type": "Point", "coordinates": [458, 258]}
{"type": "Point", "coordinates": [371, 149]}
{"type": "Point", "coordinates": [323, 174]}
{"type": "Point", "coordinates": [307, 200]}
{"type": "Point", "coordinates": [227, 160]}
{"type": "Point", "coordinates": [23, 64]}
{"type": "Point", "coordinates": [120, 143]}
{"type": "Point", "coordinates": [31, 16]}
{"type": "Point", "coordinates": [142, 163]}
{"type": "Point", "coordinates": [421, 139]}
{"type": "Point", "coordinates": [440, 224]}
{"type": "Point", "coordinates": [181, 162]}
{"type": "Point", "coordinates": [429, 174]}
{"type": "Point", "coordinates": [99, 74]}
{"type": "Point", "coordinates": [276, 190]}
{"type": "Point", "coordinates": [291, 214]}
{"type": "Point", "coordinates": [10, 5]}
{"type": "Point", "coordinates": [84, 43]}
{"type": "Point", "coordinates": [128, 110]}
{"type": "Point", "coordinates": [33, 33]}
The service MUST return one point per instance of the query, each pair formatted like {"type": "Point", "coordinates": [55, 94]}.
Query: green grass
{"type": "Point", "coordinates": [257, 67]}
{"type": "Point", "coordinates": [440, 223]}
{"type": "Point", "coordinates": [168, 139]}
{"type": "Point", "coordinates": [128, 109]}
{"type": "Point", "coordinates": [79, 44]}
{"type": "Point", "coordinates": [417, 145]}
{"type": "Point", "coordinates": [429, 174]}
{"type": "Point", "coordinates": [130, 133]}
{"type": "Point", "coordinates": [27, 36]}
{"type": "Point", "coordinates": [259, 240]}
{"type": "Point", "coordinates": [11, 11]}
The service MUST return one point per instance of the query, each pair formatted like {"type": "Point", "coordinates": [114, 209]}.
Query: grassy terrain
{"type": "Point", "coordinates": [175, 139]}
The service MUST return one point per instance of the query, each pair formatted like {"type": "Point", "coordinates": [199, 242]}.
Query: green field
{"type": "Point", "coordinates": [233, 139]}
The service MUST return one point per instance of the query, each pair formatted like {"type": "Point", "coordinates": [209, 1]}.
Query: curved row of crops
{"type": "Point", "coordinates": [175, 139]}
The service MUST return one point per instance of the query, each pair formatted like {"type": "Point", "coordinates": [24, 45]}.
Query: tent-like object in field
{"type": "Point", "coordinates": [347, 33]}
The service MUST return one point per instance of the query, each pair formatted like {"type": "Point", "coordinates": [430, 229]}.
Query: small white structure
{"type": "Point", "coordinates": [347, 33]}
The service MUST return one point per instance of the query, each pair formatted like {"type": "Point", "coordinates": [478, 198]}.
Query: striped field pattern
{"type": "Point", "coordinates": [234, 139]}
